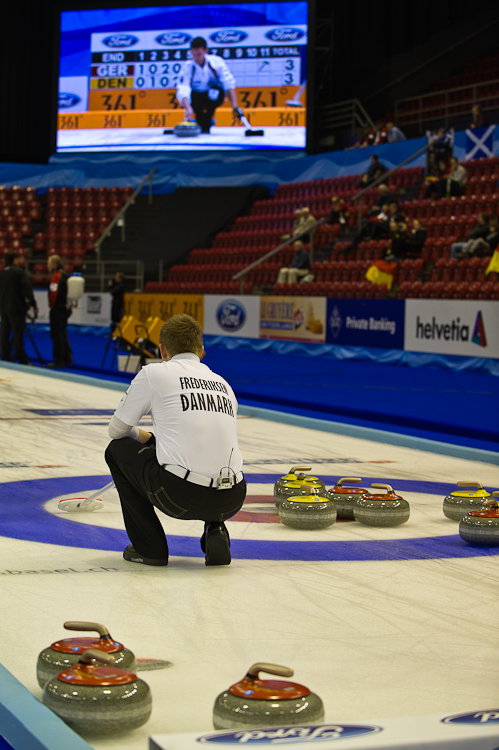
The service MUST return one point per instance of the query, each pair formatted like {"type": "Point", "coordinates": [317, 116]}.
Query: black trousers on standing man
{"type": "Point", "coordinates": [59, 335]}
{"type": "Point", "coordinates": [15, 323]}
{"type": "Point", "coordinates": [204, 108]}
{"type": "Point", "coordinates": [144, 485]}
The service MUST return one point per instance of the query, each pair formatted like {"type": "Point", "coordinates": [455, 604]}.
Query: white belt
{"type": "Point", "coordinates": [191, 476]}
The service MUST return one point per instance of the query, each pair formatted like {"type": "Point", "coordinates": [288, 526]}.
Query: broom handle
{"type": "Point", "coordinates": [95, 495]}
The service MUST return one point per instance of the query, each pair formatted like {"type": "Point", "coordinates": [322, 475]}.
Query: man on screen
{"type": "Point", "coordinates": [204, 82]}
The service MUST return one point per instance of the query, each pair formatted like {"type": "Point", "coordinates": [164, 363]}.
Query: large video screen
{"type": "Point", "coordinates": [216, 76]}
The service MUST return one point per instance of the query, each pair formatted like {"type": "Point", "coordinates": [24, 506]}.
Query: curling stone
{"type": "Point", "coordinates": [65, 653]}
{"type": "Point", "coordinates": [307, 512]}
{"type": "Point", "coordinates": [253, 702]}
{"type": "Point", "coordinates": [381, 510]}
{"type": "Point", "coordinates": [98, 699]}
{"type": "Point", "coordinates": [344, 497]}
{"type": "Point", "coordinates": [291, 484]}
{"type": "Point", "coordinates": [481, 527]}
{"type": "Point", "coordinates": [187, 129]}
{"type": "Point", "coordinates": [461, 502]}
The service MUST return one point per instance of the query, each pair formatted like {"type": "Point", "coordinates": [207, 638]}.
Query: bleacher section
{"type": "Point", "coordinates": [433, 275]}
{"type": "Point", "coordinates": [68, 224]}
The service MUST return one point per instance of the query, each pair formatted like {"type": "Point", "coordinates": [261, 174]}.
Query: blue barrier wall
{"type": "Point", "coordinates": [210, 169]}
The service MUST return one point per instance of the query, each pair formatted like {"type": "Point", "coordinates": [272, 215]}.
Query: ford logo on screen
{"type": "Point", "coordinates": [285, 34]}
{"type": "Point", "coordinates": [67, 100]}
{"type": "Point", "coordinates": [287, 734]}
{"type": "Point", "coordinates": [231, 315]}
{"type": "Point", "coordinates": [173, 38]}
{"type": "Point", "coordinates": [120, 40]}
{"type": "Point", "coordinates": [228, 36]}
{"type": "Point", "coordinates": [490, 716]}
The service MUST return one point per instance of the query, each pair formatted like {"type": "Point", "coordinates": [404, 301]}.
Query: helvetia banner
{"type": "Point", "coordinates": [468, 328]}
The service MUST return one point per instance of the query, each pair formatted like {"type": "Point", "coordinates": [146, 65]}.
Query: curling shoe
{"type": "Point", "coordinates": [130, 555]}
{"type": "Point", "coordinates": [215, 543]}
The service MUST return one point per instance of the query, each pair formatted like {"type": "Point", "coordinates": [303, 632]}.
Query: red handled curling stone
{"type": "Point", "coordinates": [65, 653]}
{"type": "Point", "coordinates": [461, 502]}
{"type": "Point", "coordinates": [344, 497]}
{"type": "Point", "coordinates": [297, 483]}
{"type": "Point", "coordinates": [481, 527]}
{"type": "Point", "coordinates": [253, 702]}
{"type": "Point", "coordinates": [96, 699]}
{"type": "Point", "coordinates": [381, 510]}
{"type": "Point", "coordinates": [309, 512]}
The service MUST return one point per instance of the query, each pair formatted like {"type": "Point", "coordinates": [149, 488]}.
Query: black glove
{"type": "Point", "coordinates": [238, 112]}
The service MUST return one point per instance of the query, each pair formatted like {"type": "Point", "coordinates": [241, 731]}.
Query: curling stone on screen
{"type": "Point", "coordinates": [297, 483]}
{"type": "Point", "coordinates": [254, 702]}
{"type": "Point", "coordinates": [460, 502]}
{"type": "Point", "coordinates": [481, 527]}
{"type": "Point", "coordinates": [65, 653]}
{"type": "Point", "coordinates": [307, 512]}
{"type": "Point", "coordinates": [344, 497]}
{"type": "Point", "coordinates": [381, 510]}
{"type": "Point", "coordinates": [96, 699]}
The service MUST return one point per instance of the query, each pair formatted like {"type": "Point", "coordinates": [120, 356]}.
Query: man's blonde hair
{"type": "Point", "coordinates": [181, 333]}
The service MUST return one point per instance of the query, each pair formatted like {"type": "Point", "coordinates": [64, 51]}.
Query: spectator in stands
{"type": "Point", "coordinates": [395, 212]}
{"type": "Point", "coordinates": [377, 223]}
{"type": "Point", "coordinates": [394, 133]}
{"type": "Point", "coordinates": [416, 237]}
{"type": "Point", "coordinates": [381, 133]}
{"type": "Point", "coordinates": [398, 237]}
{"type": "Point", "coordinates": [441, 145]}
{"type": "Point", "coordinates": [368, 137]}
{"type": "Point", "coordinates": [487, 243]}
{"type": "Point", "coordinates": [454, 182]}
{"type": "Point", "coordinates": [481, 230]}
{"type": "Point", "coordinates": [304, 223]}
{"type": "Point", "coordinates": [434, 179]}
{"type": "Point", "coordinates": [385, 195]}
{"type": "Point", "coordinates": [117, 288]}
{"type": "Point", "coordinates": [299, 266]}
{"type": "Point", "coordinates": [338, 213]}
{"type": "Point", "coordinates": [16, 298]}
{"type": "Point", "coordinates": [478, 118]}
{"type": "Point", "coordinates": [373, 173]}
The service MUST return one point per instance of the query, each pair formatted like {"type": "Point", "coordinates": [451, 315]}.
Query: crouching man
{"type": "Point", "coordinates": [191, 468]}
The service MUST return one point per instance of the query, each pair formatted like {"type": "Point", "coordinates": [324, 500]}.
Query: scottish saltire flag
{"type": "Point", "coordinates": [480, 143]}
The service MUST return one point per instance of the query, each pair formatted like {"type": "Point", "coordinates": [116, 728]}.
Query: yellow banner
{"type": "Point", "coordinates": [143, 306]}
{"type": "Point", "coordinates": [493, 266]}
{"type": "Point", "coordinates": [296, 318]}
{"type": "Point", "coordinates": [168, 118]}
{"type": "Point", "coordinates": [108, 99]}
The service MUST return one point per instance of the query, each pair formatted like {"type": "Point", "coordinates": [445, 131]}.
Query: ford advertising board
{"type": "Point", "coordinates": [232, 316]}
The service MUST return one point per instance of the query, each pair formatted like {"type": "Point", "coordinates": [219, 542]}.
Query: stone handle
{"type": "Point", "coordinates": [387, 487]}
{"type": "Point", "coordinates": [353, 480]}
{"type": "Point", "coordinates": [470, 484]}
{"type": "Point", "coordinates": [494, 500]}
{"type": "Point", "coordinates": [77, 625]}
{"type": "Point", "coordinates": [92, 654]}
{"type": "Point", "coordinates": [294, 469]}
{"type": "Point", "coordinates": [262, 666]}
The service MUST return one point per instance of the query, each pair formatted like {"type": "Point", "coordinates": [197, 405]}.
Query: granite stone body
{"type": "Point", "coordinates": [232, 712]}
{"type": "Point", "coordinates": [307, 512]}
{"type": "Point", "coordinates": [381, 510]}
{"type": "Point", "coordinates": [461, 502]}
{"type": "Point", "coordinates": [295, 483]}
{"type": "Point", "coordinates": [480, 528]}
{"type": "Point", "coordinates": [344, 497]}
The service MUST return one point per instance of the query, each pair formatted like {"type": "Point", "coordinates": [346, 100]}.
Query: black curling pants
{"type": "Point", "coordinates": [144, 485]}
{"type": "Point", "coordinates": [59, 335]}
{"type": "Point", "coordinates": [204, 108]}
{"type": "Point", "coordinates": [15, 323]}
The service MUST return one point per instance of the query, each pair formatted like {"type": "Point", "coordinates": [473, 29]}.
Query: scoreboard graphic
{"type": "Point", "coordinates": [120, 71]}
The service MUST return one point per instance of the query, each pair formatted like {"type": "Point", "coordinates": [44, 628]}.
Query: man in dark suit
{"type": "Point", "coordinates": [16, 297]}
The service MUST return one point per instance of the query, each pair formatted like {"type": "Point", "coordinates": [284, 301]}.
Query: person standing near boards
{"type": "Point", "coordinates": [16, 298]}
{"type": "Point", "coordinates": [60, 312]}
{"type": "Point", "coordinates": [191, 468]}
{"type": "Point", "coordinates": [204, 82]}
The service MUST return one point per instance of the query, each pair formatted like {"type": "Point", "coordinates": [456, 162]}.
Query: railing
{"type": "Point", "coordinates": [95, 272]}
{"type": "Point", "coordinates": [359, 196]}
{"type": "Point", "coordinates": [347, 114]}
{"type": "Point", "coordinates": [310, 229]}
{"type": "Point", "coordinates": [119, 219]}
{"type": "Point", "coordinates": [445, 109]}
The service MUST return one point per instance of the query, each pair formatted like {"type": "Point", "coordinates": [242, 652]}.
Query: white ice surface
{"type": "Point", "coordinates": [388, 638]}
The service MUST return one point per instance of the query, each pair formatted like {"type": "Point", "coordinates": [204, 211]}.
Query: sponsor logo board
{"type": "Point", "coordinates": [372, 323]}
{"type": "Point", "coordinates": [295, 318]}
{"type": "Point", "coordinates": [120, 41]}
{"type": "Point", "coordinates": [284, 34]}
{"type": "Point", "coordinates": [228, 36]}
{"type": "Point", "coordinates": [462, 327]}
{"type": "Point", "coordinates": [73, 94]}
{"type": "Point", "coordinates": [489, 716]}
{"type": "Point", "coordinates": [289, 734]}
{"type": "Point", "coordinates": [232, 316]}
{"type": "Point", "coordinates": [173, 38]}
{"type": "Point", "coordinates": [163, 306]}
